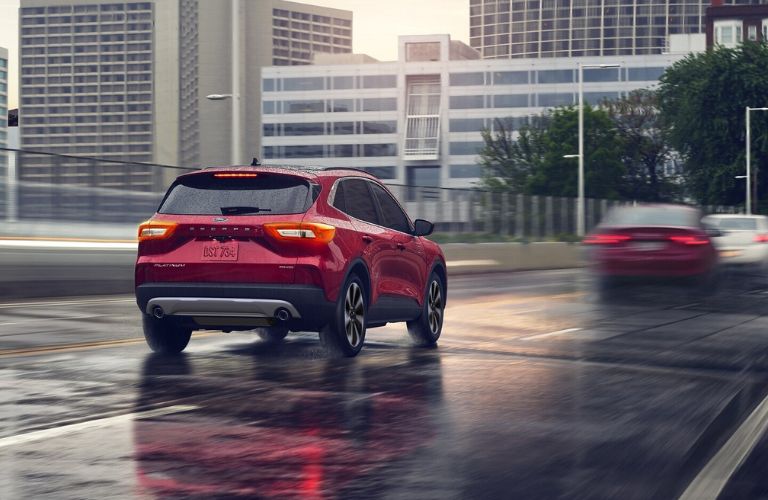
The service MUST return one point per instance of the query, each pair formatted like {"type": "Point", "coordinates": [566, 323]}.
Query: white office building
{"type": "Point", "coordinates": [417, 120]}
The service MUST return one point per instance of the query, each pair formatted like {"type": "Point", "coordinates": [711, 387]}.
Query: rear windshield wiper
{"type": "Point", "coordinates": [243, 210]}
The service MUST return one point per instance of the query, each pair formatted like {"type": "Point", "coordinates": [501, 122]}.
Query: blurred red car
{"type": "Point", "coordinates": [659, 241]}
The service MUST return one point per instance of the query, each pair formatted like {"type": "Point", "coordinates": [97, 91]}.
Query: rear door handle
{"type": "Point", "coordinates": [367, 239]}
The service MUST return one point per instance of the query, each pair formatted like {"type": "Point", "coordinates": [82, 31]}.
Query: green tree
{"type": "Point", "coordinates": [645, 151]}
{"type": "Point", "coordinates": [702, 100]}
{"type": "Point", "coordinates": [508, 158]}
{"type": "Point", "coordinates": [532, 162]}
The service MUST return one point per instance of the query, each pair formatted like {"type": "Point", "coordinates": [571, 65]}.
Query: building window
{"type": "Point", "coordinates": [552, 100]}
{"type": "Point", "coordinates": [305, 83]}
{"type": "Point", "coordinates": [380, 104]}
{"type": "Point", "coordinates": [728, 33]}
{"type": "Point", "coordinates": [343, 82]}
{"type": "Point", "coordinates": [379, 150]}
{"type": "Point", "coordinates": [381, 172]}
{"type": "Point", "coordinates": [752, 33]}
{"type": "Point", "coordinates": [342, 106]}
{"type": "Point", "coordinates": [465, 79]}
{"type": "Point", "coordinates": [466, 148]}
{"type": "Point", "coordinates": [380, 127]}
{"type": "Point", "coordinates": [765, 30]}
{"type": "Point", "coordinates": [645, 74]}
{"type": "Point", "coordinates": [466, 171]}
{"type": "Point", "coordinates": [292, 129]}
{"type": "Point", "coordinates": [304, 106]}
{"type": "Point", "coordinates": [466, 102]}
{"type": "Point", "coordinates": [343, 128]}
{"type": "Point", "coordinates": [466, 125]}
{"type": "Point", "coordinates": [555, 76]}
{"type": "Point", "coordinates": [511, 101]}
{"type": "Point", "coordinates": [379, 81]}
{"type": "Point", "coordinates": [510, 78]}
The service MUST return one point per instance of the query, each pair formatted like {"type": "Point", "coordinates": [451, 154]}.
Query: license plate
{"type": "Point", "coordinates": [730, 253]}
{"type": "Point", "coordinates": [647, 246]}
{"type": "Point", "coordinates": [220, 251]}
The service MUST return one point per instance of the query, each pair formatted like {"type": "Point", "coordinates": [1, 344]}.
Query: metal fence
{"type": "Point", "coordinates": [113, 192]}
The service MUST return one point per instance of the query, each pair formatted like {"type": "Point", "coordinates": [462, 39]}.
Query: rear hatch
{"type": "Point", "coordinates": [214, 227]}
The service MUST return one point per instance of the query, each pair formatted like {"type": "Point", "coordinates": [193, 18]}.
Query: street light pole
{"type": "Point", "coordinates": [236, 148]}
{"type": "Point", "coordinates": [748, 207]}
{"type": "Point", "coordinates": [580, 219]}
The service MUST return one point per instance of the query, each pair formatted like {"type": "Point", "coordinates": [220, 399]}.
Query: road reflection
{"type": "Point", "coordinates": [273, 422]}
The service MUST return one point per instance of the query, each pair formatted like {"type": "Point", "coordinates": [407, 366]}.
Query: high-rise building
{"type": "Point", "coordinates": [502, 29]}
{"type": "Point", "coordinates": [127, 80]}
{"type": "Point", "coordinates": [272, 33]}
{"type": "Point", "coordinates": [418, 120]}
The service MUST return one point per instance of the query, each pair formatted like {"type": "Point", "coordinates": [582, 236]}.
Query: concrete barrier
{"type": "Point", "coordinates": [53, 268]}
{"type": "Point", "coordinates": [469, 258]}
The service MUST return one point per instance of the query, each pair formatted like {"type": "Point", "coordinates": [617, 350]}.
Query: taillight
{"type": "Point", "coordinates": [761, 238]}
{"type": "Point", "coordinates": [235, 175]}
{"type": "Point", "coordinates": [690, 239]}
{"type": "Point", "coordinates": [605, 239]}
{"type": "Point", "coordinates": [156, 230]}
{"type": "Point", "coordinates": [300, 231]}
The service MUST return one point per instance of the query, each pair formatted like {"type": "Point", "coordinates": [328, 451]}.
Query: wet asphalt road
{"type": "Point", "coordinates": [540, 388]}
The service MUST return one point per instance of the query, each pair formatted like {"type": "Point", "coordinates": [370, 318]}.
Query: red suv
{"type": "Point", "coordinates": [286, 249]}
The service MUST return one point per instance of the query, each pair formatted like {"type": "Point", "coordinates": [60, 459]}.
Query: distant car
{"type": "Point", "coordinates": [744, 240]}
{"type": "Point", "coordinates": [658, 241]}
{"type": "Point", "coordinates": [286, 249]}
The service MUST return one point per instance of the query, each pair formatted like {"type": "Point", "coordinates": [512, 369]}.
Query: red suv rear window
{"type": "Point", "coordinates": [205, 194]}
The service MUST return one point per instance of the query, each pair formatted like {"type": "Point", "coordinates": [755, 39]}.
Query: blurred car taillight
{"type": "Point", "coordinates": [605, 239]}
{"type": "Point", "coordinates": [690, 239]}
{"type": "Point", "coordinates": [761, 238]}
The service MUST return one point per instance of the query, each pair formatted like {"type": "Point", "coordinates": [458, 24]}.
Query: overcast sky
{"type": "Point", "coordinates": [376, 26]}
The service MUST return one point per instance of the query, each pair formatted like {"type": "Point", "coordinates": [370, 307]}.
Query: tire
{"type": "Point", "coordinates": [272, 334]}
{"type": "Point", "coordinates": [345, 333]}
{"type": "Point", "coordinates": [165, 335]}
{"type": "Point", "coordinates": [426, 329]}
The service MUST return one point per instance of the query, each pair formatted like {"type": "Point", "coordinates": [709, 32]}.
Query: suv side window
{"type": "Point", "coordinates": [394, 217]}
{"type": "Point", "coordinates": [358, 201]}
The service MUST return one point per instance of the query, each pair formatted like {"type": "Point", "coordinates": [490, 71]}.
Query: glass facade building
{"type": "Point", "coordinates": [578, 28]}
{"type": "Point", "coordinates": [417, 123]}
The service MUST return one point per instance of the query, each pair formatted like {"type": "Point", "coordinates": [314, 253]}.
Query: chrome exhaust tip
{"type": "Point", "coordinates": [282, 314]}
{"type": "Point", "coordinates": [158, 312]}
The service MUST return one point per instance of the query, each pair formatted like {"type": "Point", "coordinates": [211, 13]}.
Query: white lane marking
{"type": "Point", "coordinates": [52, 318]}
{"type": "Point", "coordinates": [550, 334]}
{"type": "Point", "coordinates": [8, 305]}
{"type": "Point", "coordinates": [79, 245]}
{"type": "Point", "coordinates": [716, 474]}
{"type": "Point", "coordinates": [90, 424]}
{"type": "Point", "coordinates": [476, 262]}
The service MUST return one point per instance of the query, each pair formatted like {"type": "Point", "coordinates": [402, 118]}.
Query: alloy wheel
{"type": "Point", "coordinates": [435, 305]}
{"type": "Point", "coordinates": [354, 314]}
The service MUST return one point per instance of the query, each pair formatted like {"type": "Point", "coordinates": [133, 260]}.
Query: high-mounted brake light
{"type": "Point", "coordinates": [689, 240]}
{"type": "Point", "coordinates": [761, 238]}
{"type": "Point", "coordinates": [605, 239]}
{"type": "Point", "coordinates": [234, 175]}
{"type": "Point", "coordinates": [156, 230]}
{"type": "Point", "coordinates": [300, 231]}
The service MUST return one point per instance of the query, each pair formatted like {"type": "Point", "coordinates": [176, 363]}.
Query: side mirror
{"type": "Point", "coordinates": [422, 227]}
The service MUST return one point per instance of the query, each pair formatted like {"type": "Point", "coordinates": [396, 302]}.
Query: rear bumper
{"type": "Point", "coordinates": [238, 305]}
